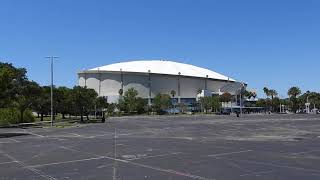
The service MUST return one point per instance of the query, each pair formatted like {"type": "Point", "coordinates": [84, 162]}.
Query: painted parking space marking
{"type": "Point", "coordinates": [225, 154]}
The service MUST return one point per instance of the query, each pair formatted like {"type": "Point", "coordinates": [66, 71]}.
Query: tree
{"type": "Point", "coordinates": [62, 100]}
{"type": "Point", "coordinates": [225, 97]}
{"type": "Point", "coordinates": [206, 103]}
{"type": "Point", "coordinates": [215, 103]}
{"type": "Point", "coordinates": [266, 91]}
{"type": "Point", "coordinates": [111, 108]}
{"type": "Point", "coordinates": [161, 102]}
{"type": "Point", "coordinates": [130, 97]}
{"type": "Point", "coordinates": [273, 93]}
{"type": "Point", "coordinates": [130, 102]}
{"type": "Point", "coordinates": [270, 93]}
{"type": "Point", "coordinates": [293, 93]}
{"type": "Point", "coordinates": [28, 91]}
{"type": "Point", "coordinates": [83, 99]}
{"type": "Point", "coordinates": [261, 103]}
{"type": "Point", "coordinates": [11, 78]}
{"type": "Point", "coordinates": [101, 104]}
{"type": "Point", "coordinates": [42, 102]}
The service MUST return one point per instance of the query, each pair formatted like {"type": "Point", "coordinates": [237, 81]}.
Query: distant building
{"type": "Point", "coordinates": [150, 77]}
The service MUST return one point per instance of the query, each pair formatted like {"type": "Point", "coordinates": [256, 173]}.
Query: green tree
{"type": "Point", "coordinates": [101, 102]}
{"type": "Point", "coordinates": [293, 93]}
{"type": "Point", "coordinates": [225, 97]}
{"type": "Point", "coordinates": [130, 99]}
{"type": "Point", "coordinates": [161, 102]}
{"type": "Point", "coordinates": [111, 108]}
{"type": "Point", "coordinates": [83, 99]}
{"type": "Point", "coordinates": [261, 103]}
{"type": "Point", "coordinates": [11, 78]}
{"type": "Point", "coordinates": [266, 91]}
{"type": "Point", "coordinates": [273, 93]}
{"type": "Point", "coordinates": [101, 105]}
{"type": "Point", "coordinates": [131, 103]}
{"type": "Point", "coordinates": [42, 102]}
{"type": "Point", "coordinates": [28, 91]}
{"type": "Point", "coordinates": [215, 103]}
{"type": "Point", "coordinates": [62, 99]}
{"type": "Point", "coordinates": [206, 103]}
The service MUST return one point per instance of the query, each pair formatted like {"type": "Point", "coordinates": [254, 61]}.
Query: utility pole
{"type": "Point", "coordinates": [52, 58]}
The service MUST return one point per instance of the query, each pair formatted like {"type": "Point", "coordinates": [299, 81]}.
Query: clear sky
{"type": "Point", "coordinates": [273, 43]}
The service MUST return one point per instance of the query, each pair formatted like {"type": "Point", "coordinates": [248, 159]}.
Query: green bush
{"type": "Point", "coordinates": [12, 116]}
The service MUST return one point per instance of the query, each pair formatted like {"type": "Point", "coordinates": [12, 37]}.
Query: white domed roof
{"type": "Point", "coordinates": [162, 67]}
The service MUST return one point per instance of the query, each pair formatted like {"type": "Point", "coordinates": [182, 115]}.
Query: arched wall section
{"type": "Point", "coordinates": [109, 83]}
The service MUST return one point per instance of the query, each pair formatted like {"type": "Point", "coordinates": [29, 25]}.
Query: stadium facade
{"type": "Point", "coordinates": [150, 77]}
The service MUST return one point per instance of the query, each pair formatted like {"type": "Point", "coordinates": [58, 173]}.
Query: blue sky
{"type": "Point", "coordinates": [273, 43]}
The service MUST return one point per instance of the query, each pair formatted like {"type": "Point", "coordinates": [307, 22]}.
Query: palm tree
{"type": "Point", "coordinates": [273, 93]}
{"type": "Point", "coordinates": [266, 91]}
{"type": "Point", "coordinates": [293, 93]}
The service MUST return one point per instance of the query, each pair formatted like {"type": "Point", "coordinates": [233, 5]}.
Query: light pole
{"type": "Point", "coordinates": [52, 58]}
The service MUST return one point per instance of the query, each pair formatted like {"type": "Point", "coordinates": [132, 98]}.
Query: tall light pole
{"type": "Point", "coordinates": [52, 58]}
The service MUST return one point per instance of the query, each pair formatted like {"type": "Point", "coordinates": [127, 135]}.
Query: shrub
{"type": "Point", "coordinates": [12, 116]}
{"type": "Point", "coordinates": [161, 103]}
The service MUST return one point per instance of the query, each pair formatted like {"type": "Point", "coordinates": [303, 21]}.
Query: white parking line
{"type": "Point", "coordinates": [66, 162]}
{"type": "Point", "coordinates": [14, 140]}
{"type": "Point", "coordinates": [160, 155]}
{"type": "Point", "coordinates": [305, 152]}
{"type": "Point", "coordinates": [8, 162]}
{"type": "Point", "coordinates": [35, 134]}
{"type": "Point", "coordinates": [224, 154]}
{"type": "Point", "coordinates": [258, 173]}
{"type": "Point", "coordinates": [315, 171]}
{"type": "Point", "coordinates": [150, 167]}
{"type": "Point", "coordinates": [38, 172]}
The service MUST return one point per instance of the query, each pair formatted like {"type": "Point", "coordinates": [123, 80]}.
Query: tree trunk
{"type": "Point", "coordinates": [81, 117]}
{"type": "Point", "coordinates": [41, 117]}
{"type": "Point", "coordinates": [87, 117]}
{"type": "Point", "coordinates": [63, 116]}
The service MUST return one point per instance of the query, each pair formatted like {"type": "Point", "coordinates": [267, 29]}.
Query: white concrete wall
{"type": "Point", "coordinates": [111, 83]}
{"type": "Point", "coordinates": [163, 84]}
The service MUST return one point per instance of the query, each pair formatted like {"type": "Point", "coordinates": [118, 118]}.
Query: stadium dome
{"type": "Point", "coordinates": [163, 67]}
{"type": "Point", "coordinates": [151, 77]}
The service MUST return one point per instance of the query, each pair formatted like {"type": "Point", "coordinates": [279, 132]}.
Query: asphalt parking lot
{"type": "Point", "coordinates": [259, 147]}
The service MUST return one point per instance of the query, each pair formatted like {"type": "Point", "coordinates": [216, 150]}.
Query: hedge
{"type": "Point", "coordinates": [12, 116]}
